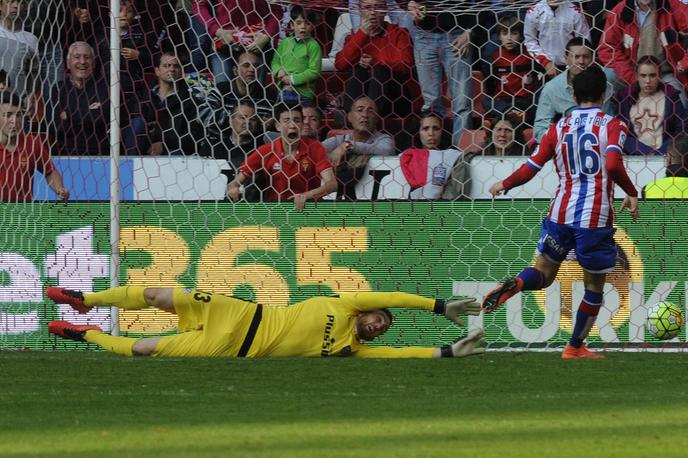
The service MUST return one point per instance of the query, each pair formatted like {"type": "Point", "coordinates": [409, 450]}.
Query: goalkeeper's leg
{"type": "Point", "coordinates": [126, 346]}
{"type": "Point", "coordinates": [125, 297]}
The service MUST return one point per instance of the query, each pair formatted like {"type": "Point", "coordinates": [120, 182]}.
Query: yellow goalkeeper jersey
{"type": "Point", "coordinates": [324, 326]}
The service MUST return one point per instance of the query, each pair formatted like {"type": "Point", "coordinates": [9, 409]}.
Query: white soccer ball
{"type": "Point", "coordinates": [664, 320]}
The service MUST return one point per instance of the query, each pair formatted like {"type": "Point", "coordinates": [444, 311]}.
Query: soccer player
{"type": "Point", "coordinates": [218, 325]}
{"type": "Point", "coordinates": [587, 150]}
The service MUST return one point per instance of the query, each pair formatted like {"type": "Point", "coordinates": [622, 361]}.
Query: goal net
{"type": "Point", "coordinates": [195, 104]}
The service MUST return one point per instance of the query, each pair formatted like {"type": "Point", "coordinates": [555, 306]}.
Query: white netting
{"type": "Point", "coordinates": [198, 85]}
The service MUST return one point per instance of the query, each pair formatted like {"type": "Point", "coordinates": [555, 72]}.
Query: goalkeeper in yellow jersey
{"type": "Point", "coordinates": [218, 325]}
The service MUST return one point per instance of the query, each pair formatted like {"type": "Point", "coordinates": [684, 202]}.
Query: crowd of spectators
{"type": "Point", "coordinates": [203, 77]}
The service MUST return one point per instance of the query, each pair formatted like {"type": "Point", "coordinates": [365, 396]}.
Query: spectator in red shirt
{"type": "Point", "coordinates": [296, 167]}
{"type": "Point", "coordinates": [21, 155]}
{"type": "Point", "coordinates": [646, 27]}
{"type": "Point", "coordinates": [380, 56]}
{"type": "Point", "coordinates": [513, 78]}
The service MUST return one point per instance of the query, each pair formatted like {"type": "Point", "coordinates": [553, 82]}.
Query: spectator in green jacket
{"type": "Point", "coordinates": [297, 62]}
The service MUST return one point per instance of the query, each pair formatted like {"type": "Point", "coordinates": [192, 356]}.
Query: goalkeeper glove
{"type": "Point", "coordinates": [453, 309]}
{"type": "Point", "coordinates": [472, 344]}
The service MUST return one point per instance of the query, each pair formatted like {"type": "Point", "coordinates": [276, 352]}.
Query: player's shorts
{"type": "Point", "coordinates": [209, 325]}
{"type": "Point", "coordinates": [595, 248]}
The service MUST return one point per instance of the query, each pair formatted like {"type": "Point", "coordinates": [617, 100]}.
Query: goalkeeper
{"type": "Point", "coordinates": [217, 325]}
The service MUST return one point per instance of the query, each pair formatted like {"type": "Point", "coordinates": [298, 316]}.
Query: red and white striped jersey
{"type": "Point", "coordinates": [579, 145]}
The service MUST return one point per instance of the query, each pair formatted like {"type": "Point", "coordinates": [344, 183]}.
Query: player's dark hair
{"type": "Point", "coordinates": [589, 85]}
{"type": "Point", "coordinates": [429, 114]}
{"type": "Point", "coordinates": [648, 60]}
{"type": "Point", "coordinates": [243, 102]}
{"type": "Point", "coordinates": [298, 11]}
{"type": "Point", "coordinates": [510, 22]}
{"type": "Point", "coordinates": [389, 315]}
{"type": "Point", "coordinates": [361, 97]}
{"type": "Point", "coordinates": [414, 124]}
{"type": "Point", "coordinates": [578, 41]}
{"type": "Point", "coordinates": [158, 57]}
{"type": "Point", "coordinates": [10, 98]}
{"type": "Point", "coordinates": [283, 107]}
{"type": "Point", "coordinates": [517, 147]}
{"type": "Point", "coordinates": [312, 106]}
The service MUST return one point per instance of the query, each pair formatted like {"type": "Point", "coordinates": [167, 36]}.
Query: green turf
{"type": "Point", "coordinates": [497, 405]}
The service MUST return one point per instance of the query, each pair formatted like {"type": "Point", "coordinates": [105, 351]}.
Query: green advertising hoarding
{"type": "Point", "coordinates": [272, 254]}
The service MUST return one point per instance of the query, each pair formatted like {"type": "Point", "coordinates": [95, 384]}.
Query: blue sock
{"type": "Point", "coordinates": [532, 279]}
{"type": "Point", "coordinates": [586, 316]}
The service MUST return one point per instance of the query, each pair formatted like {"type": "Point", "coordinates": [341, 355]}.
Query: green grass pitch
{"type": "Point", "coordinates": [82, 404]}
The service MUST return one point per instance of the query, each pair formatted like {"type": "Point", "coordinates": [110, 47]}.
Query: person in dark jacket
{"type": "Point", "coordinates": [163, 115]}
{"type": "Point", "coordinates": [83, 106]}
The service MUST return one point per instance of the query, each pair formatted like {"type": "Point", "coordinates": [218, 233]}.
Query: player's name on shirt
{"type": "Point", "coordinates": [598, 120]}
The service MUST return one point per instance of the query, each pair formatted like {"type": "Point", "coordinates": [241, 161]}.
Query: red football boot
{"type": "Point", "coordinates": [70, 331]}
{"type": "Point", "coordinates": [68, 296]}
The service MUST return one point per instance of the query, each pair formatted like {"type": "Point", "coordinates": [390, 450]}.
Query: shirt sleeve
{"type": "Point", "coordinates": [351, 51]}
{"type": "Point", "coordinates": [536, 161]}
{"type": "Point", "coordinates": [382, 145]}
{"type": "Point", "coordinates": [332, 143]}
{"type": "Point", "coordinates": [203, 11]}
{"type": "Point", "coordinates": [367, 301]}
{"type": "Point", "coordinates": [400, 61]}
{"type": "Point", "coordinates": [277, 64]}
{"type": "Point", "coordinates": [319, 155]}
{"type": "Point", "coordinates": [253, 163]}
{"type": "Point", "coordinates": [617, 132]}
{"type": "Point", "coordinates": [545, 112]}
{"type": "Point", "coordinates": [365, 351]}
{"type": "Point", "coordinates": [581, 27]}
{"type": "Point", "coordinates": [43, 162]}
{"type": "Point", "coordinates": [530, 39]}
{"type": "Point", "coordinates": [312, 70]}
{"type": "Point", "coordinates": [611, 50]}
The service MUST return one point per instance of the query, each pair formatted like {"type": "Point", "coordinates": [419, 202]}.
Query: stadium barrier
{"type": "Point", "coordinates": [193, 179]}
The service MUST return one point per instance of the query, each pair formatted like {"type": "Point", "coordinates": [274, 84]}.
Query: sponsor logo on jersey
{"type": "Point", "coordinates": [328, 340]}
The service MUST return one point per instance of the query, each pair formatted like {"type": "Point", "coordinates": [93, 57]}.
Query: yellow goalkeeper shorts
{"type": "Point", "coordinates": [209, 325]}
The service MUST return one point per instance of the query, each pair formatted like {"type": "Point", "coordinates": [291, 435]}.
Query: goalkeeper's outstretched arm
{"type": "Point", "coordinates": [368, 301]}
{"type": "Point", "coordinates": [472, 344]}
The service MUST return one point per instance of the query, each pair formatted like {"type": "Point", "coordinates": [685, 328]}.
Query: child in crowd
{"type": "Point", "coordinates": [513, 79]}
{"type": "Point", "coordinates": [297, 61]}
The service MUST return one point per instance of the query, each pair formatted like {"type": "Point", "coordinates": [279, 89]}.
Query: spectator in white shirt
{"type": "Point", "coordinates": [18, 48]}
{"type": "Point", "coordinates": [549, 25]}
{"type": "Point", "coordinates": [349, 153]}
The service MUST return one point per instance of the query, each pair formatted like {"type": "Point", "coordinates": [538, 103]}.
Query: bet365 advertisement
{"type": "Point", "coordinates": [274, 255]}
